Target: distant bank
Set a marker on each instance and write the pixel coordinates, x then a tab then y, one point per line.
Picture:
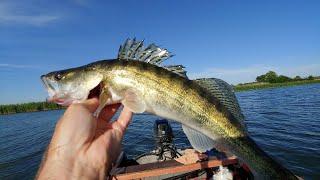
271	80
28	107
45	106
264	85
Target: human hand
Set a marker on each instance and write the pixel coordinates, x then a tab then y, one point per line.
82	146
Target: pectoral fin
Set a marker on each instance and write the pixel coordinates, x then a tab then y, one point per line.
103	99
134	102
198	141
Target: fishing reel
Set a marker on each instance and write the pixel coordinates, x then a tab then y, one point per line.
162	132
163	135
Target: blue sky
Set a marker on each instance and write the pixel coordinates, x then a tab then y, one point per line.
231	40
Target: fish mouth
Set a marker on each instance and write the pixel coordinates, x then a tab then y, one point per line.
60	101
63	98
48	85
66	100
53	92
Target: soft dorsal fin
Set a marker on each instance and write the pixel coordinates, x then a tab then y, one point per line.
198	141
225	94
153	54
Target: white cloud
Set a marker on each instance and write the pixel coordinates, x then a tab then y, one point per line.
248	74
19	66
31	20
11	13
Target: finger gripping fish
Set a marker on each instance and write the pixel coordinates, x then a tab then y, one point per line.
138	81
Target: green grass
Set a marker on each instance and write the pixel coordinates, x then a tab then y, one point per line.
255	86
28	107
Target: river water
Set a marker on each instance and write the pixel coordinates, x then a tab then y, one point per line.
285	122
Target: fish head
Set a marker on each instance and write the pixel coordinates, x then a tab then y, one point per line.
72	85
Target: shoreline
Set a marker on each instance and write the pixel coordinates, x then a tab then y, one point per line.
28	107
237	88
31	111
258	86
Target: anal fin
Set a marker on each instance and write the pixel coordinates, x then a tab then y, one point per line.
198	141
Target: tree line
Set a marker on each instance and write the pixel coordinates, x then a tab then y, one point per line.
28	107
273	77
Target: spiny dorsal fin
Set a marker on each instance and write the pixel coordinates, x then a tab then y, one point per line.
225	93
153	54
134	50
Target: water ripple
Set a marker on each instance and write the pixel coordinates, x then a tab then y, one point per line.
285	122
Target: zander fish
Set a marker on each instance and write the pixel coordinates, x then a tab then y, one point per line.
207	107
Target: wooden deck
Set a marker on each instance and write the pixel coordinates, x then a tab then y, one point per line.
168	167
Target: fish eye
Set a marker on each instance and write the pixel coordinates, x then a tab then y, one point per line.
58	77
